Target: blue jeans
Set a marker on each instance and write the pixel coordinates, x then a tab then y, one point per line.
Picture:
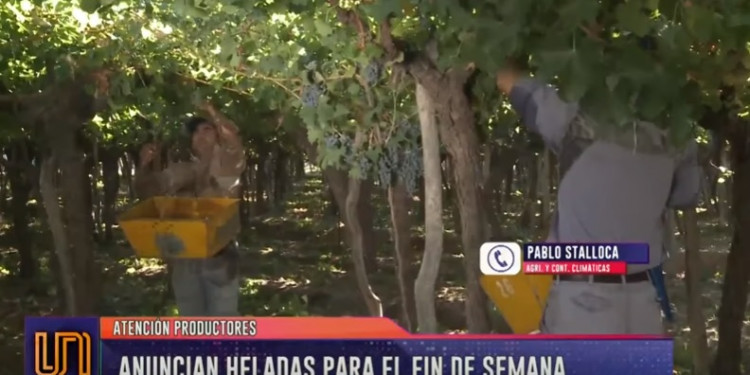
207	287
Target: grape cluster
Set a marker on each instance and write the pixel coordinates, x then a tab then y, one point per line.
365	165
401	160
311	95
341	142
345	142
411	168
391	154
385	173
409	130
372	72
331	141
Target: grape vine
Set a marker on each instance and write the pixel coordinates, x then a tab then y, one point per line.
399	158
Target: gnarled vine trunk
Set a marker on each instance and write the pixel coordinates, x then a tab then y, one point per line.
354	226
399	201
424	285
111	181
20	188
733	308
696	319
50	199
62	111
456	124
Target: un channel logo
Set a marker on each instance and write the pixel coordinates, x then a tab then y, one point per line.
62	353
500	258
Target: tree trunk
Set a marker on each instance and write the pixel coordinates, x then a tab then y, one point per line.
374	305
96	202
492	221
543	188
732	310
695	317
530	201
424	285
260	182
20	188
75	192
300	167
458	131
399	202
280	176
723	190
128	164
4	191
245	194
111	182
59	237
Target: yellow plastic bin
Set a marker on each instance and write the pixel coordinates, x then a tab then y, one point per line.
168	227
521	299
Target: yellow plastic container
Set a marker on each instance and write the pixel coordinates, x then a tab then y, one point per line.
521	299
167	227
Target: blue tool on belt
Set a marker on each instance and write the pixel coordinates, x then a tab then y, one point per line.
656	275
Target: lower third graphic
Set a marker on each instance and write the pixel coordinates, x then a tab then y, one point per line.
66	347
500	258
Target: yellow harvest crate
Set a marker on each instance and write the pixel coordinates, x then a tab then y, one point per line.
167	227
520	299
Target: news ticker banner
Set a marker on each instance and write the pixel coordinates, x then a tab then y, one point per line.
511	258
319	346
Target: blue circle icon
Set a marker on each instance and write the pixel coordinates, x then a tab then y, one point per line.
501	258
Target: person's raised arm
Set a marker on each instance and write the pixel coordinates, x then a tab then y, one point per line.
538	105
229	133
686	182
231	162
150	183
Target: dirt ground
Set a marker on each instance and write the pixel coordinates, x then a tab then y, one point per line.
296	265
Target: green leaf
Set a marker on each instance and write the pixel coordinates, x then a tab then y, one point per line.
578	80
90	6
314	134
551	63
125	87
700	21
680	124
650	104
735	20
578	11
630	18
340	111
381	9
228	47
235	60
323	28
308	116
324	111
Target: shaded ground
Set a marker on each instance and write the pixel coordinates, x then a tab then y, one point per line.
296	265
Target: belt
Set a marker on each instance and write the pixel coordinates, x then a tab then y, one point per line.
607	279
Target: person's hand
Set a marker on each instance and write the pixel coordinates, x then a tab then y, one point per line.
505	79
148	154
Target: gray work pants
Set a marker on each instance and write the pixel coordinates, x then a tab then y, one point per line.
580	307
207	287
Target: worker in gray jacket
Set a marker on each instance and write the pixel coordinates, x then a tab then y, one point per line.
615	186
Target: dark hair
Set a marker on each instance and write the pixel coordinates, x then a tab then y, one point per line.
191	125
